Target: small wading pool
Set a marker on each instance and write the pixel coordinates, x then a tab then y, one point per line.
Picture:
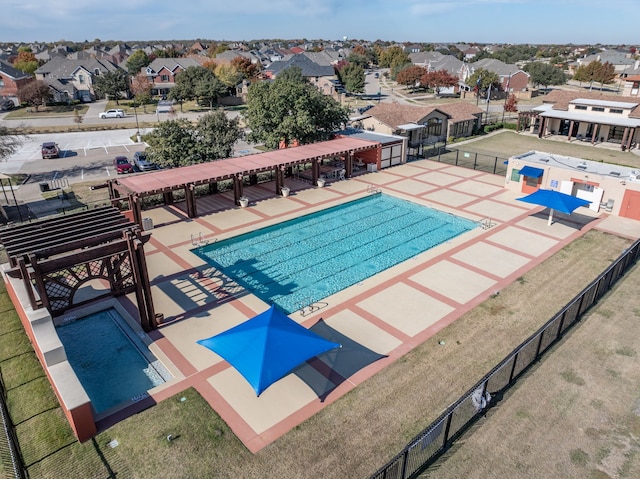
111	361
299	262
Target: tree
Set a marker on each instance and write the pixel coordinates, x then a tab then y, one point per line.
26	61
112	83
198	83
228	74
595	71
141	89
289	108
393	56
35	93
209	91
358	59
137	61
481	79
605	74
511	105
545	74
216	134
172	144
178	142
247	69
410	76
352	75
438	79
9	141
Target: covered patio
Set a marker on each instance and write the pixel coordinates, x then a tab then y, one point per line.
279	162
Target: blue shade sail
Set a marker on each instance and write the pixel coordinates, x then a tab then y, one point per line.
555	200
267	347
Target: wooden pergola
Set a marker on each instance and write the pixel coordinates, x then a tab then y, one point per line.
56	257
186	178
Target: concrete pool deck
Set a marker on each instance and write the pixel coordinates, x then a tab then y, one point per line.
378	320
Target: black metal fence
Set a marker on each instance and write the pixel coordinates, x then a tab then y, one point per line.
431	443
467	159
9	448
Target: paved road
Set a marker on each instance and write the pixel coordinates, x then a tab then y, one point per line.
92	117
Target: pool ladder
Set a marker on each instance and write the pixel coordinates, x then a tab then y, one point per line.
307	306
486	223
373	189
200	241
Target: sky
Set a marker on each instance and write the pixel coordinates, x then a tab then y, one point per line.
429	21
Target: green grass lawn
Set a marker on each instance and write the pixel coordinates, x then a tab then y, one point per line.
47	112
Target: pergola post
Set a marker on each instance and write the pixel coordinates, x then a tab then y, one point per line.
190	196
237	188
630	139
348	164
138	280
623	144
278	180
543	125
570	130
315	171
136	208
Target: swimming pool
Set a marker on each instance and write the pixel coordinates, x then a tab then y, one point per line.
299	262
112	363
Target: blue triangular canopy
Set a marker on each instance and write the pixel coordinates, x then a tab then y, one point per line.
267	347
555	200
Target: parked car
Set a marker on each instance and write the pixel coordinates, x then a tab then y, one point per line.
141	163
50	149
6	105
122	165
115	113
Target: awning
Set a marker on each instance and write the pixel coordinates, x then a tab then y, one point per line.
411	126
531	172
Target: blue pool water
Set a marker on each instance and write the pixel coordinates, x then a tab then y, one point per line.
299	262
109	361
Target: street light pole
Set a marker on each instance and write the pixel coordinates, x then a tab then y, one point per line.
506	97
135	111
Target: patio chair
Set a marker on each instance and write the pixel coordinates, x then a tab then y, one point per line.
608	205
341	174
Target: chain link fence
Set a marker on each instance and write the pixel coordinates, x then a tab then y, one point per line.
436	439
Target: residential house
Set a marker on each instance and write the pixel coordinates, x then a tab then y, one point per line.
318	75
587	116
470	53
621	61
11	80
511	77
423	125
631	85
77	76
162	72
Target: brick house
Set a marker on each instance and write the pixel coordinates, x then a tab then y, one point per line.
162	72
11	80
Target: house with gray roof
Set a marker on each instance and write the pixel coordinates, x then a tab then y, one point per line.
162	72
77	75
318	75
